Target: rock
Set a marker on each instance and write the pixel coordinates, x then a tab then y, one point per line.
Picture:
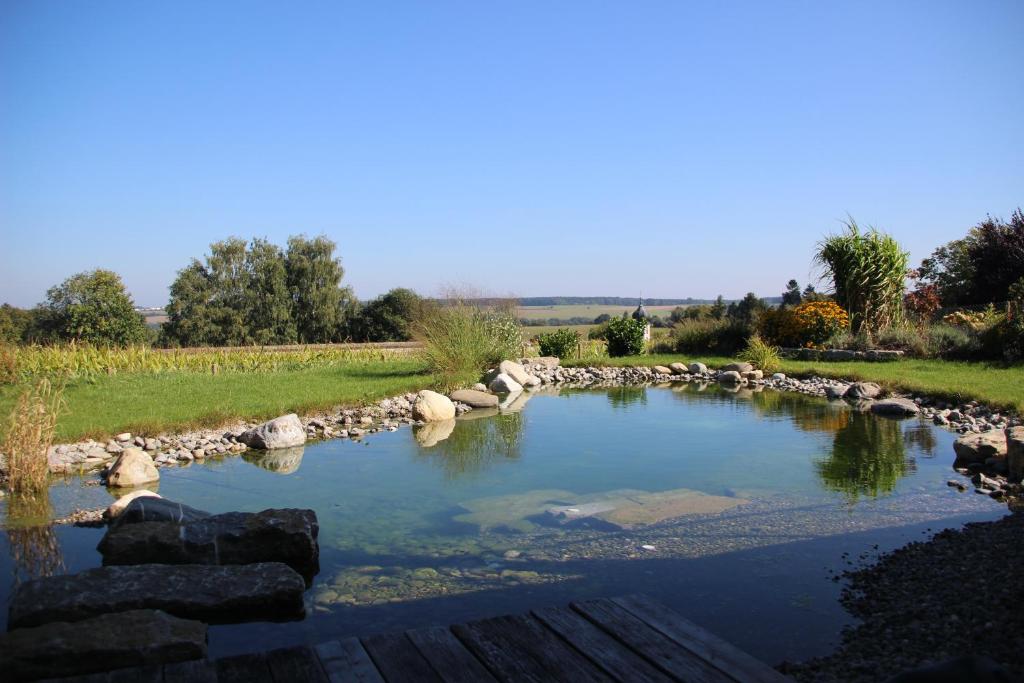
662	370
109	641
678	368
287	536
549	362
730	377
862	390
504	384
132	468
514	370
697	368
895	407
432	433
1015	453
281	432
431	406
479	386
978	447
214	594
475	399
153	508
739	367
280	461
124	436
118	506
778	376
753	375
839	355
834	392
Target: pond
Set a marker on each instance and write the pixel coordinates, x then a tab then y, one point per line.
738	509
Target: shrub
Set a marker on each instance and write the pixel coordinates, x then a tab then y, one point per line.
599	332
812	324
461	341
951	342
625	337
29	436
562	343
761	355
718	337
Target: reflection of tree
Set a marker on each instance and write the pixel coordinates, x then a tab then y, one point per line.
868	457
475	444
34	545
623	396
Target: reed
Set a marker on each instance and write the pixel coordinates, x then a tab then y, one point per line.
28	437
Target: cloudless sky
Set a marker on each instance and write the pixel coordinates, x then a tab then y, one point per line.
532	148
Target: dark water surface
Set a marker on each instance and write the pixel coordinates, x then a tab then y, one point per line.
443	525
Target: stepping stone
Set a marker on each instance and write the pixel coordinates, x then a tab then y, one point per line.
256	592
110	641
287	536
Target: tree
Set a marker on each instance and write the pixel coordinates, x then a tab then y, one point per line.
867	271
717	310
998	257
93	307
603	318
321	307
678	314
17	325
791	297
748	309
267	303
389	317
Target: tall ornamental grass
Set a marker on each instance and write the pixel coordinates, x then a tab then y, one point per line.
867	270
28	437
761	355
461	341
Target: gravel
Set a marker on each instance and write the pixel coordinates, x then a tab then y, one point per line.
958	594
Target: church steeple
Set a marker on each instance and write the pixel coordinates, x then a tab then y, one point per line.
640	313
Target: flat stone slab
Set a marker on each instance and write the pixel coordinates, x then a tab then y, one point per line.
109	641
262	591
287	536
475	399
895	407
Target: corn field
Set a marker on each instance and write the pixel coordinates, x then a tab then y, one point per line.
82	361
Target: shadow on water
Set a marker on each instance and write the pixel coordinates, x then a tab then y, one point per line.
34	546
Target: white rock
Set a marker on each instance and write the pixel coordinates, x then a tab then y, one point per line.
119	505
431	406
504	384
124	436
132	467
281	432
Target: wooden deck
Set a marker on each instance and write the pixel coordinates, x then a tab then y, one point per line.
631	638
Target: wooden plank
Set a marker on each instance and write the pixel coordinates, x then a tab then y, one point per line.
520	648
722	654
449	658
398	660
244	669
297	663
195	671
346	661
602	649
657	648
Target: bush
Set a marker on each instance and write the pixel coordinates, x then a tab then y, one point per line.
761	355
599	332
810	324
625	337
562	343
718	337
950	342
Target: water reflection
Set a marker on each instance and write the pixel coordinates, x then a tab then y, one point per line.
279	461
624	396
868	457
467	446
35	550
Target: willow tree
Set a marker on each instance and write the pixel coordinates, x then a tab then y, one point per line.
867	270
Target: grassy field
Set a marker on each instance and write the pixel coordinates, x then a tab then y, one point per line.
994	384
584	311
153	403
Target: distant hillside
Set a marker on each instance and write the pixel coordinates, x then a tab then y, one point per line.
612	301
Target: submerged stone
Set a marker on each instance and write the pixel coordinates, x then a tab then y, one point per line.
102	643
253	592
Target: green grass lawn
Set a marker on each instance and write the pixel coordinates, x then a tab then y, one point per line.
994	384
154	403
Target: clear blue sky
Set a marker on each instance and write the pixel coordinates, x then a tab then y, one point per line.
590	148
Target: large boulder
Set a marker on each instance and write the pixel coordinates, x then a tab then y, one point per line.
115	509
431	406
979	447
835	391
288	536
475	399
516	372
730	377
1015	453
133	467
252	592
504	384
661	370
281	432
895	407
739	367
862	390
157	509
102	643
678	368
697	368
